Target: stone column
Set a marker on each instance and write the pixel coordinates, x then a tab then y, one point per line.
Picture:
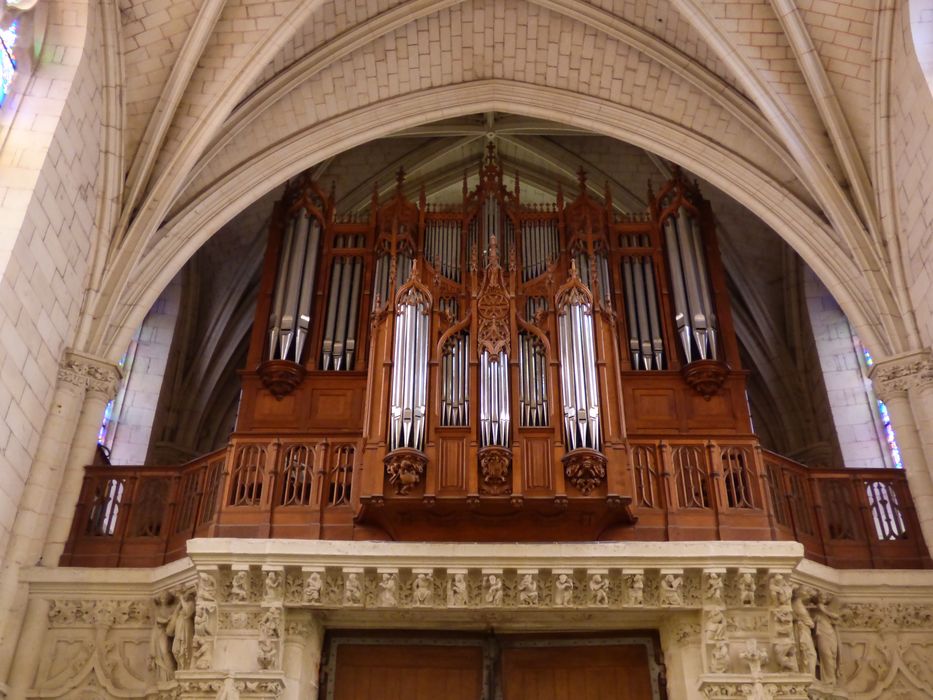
42	498
102	380
905	384
301	658
681	645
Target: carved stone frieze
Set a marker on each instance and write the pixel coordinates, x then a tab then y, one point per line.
94	612
270	636
755	690
881	616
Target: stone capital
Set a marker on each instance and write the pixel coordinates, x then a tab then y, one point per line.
89	373
900	374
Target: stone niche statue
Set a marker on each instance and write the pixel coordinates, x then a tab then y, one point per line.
170	641
161	659
827	638
803	628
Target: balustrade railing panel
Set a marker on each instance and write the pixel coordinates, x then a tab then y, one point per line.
304	488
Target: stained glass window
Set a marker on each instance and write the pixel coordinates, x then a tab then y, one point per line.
7	58
885	420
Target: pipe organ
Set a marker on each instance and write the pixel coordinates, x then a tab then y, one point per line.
493	359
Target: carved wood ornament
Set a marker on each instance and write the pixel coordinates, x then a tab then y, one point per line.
493	307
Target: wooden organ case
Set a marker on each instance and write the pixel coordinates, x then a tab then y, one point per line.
496	371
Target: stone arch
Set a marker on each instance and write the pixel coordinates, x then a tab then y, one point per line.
799	225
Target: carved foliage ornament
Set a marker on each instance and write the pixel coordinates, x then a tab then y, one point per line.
900	375
573	292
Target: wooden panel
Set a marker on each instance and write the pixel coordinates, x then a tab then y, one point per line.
536	463
653	409
412	672
715	413
576	673
452	463
336	407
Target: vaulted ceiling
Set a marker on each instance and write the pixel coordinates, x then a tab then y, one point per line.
779	104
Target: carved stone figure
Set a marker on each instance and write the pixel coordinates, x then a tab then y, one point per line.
423	593
528	590
493	590
671	593
563	591
183	629
202	644
783	621
719	658
636	589
599	590
312	589
753	656
803	626
269	638
785	654
714	584
827	639
779	590
388	590
239	587
352	589
457	591
747	588
207	588
272	586
715	625
161	659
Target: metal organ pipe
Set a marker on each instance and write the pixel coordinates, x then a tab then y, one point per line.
494	418
455	385
290	318
409	375
533	371
693	309
578	376
343	303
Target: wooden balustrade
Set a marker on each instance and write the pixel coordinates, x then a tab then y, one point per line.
306	487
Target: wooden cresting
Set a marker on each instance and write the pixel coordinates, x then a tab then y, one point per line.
493	370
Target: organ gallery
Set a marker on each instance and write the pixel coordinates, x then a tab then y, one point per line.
459	386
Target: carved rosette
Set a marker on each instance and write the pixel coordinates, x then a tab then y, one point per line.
585	469
281	377
705	377
405	469
495	471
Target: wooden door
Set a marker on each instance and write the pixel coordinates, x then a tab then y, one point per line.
412	672
597	672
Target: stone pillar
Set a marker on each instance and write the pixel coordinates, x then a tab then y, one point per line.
905	384
42	496
102	380
681	646
301	659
